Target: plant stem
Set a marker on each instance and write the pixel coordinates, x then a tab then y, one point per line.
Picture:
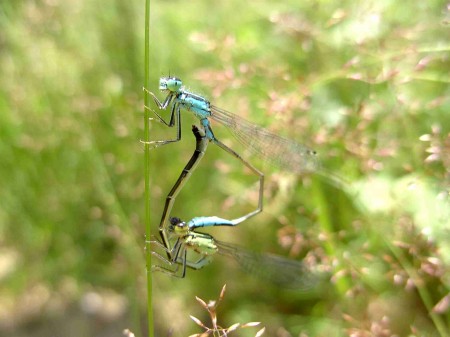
148	255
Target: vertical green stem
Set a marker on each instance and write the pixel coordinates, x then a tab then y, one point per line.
325	221
148	255
424	294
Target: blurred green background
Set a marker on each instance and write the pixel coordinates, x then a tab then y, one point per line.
366	84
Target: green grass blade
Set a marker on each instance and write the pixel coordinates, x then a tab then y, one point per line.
148	255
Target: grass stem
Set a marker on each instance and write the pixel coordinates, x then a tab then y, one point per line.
148	255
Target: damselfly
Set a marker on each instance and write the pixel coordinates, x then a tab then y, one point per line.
280	151
276	269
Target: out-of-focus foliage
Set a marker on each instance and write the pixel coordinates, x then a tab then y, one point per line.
366	84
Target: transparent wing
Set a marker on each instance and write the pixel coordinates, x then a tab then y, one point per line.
281	271
277	150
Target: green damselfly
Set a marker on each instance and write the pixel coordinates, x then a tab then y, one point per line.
276	269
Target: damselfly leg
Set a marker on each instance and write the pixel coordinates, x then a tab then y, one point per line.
175	118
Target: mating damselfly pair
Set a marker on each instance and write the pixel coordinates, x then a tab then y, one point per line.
280	151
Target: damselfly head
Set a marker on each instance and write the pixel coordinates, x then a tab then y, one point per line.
170	83
178	226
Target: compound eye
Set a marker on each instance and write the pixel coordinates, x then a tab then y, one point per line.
174	84
179	224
